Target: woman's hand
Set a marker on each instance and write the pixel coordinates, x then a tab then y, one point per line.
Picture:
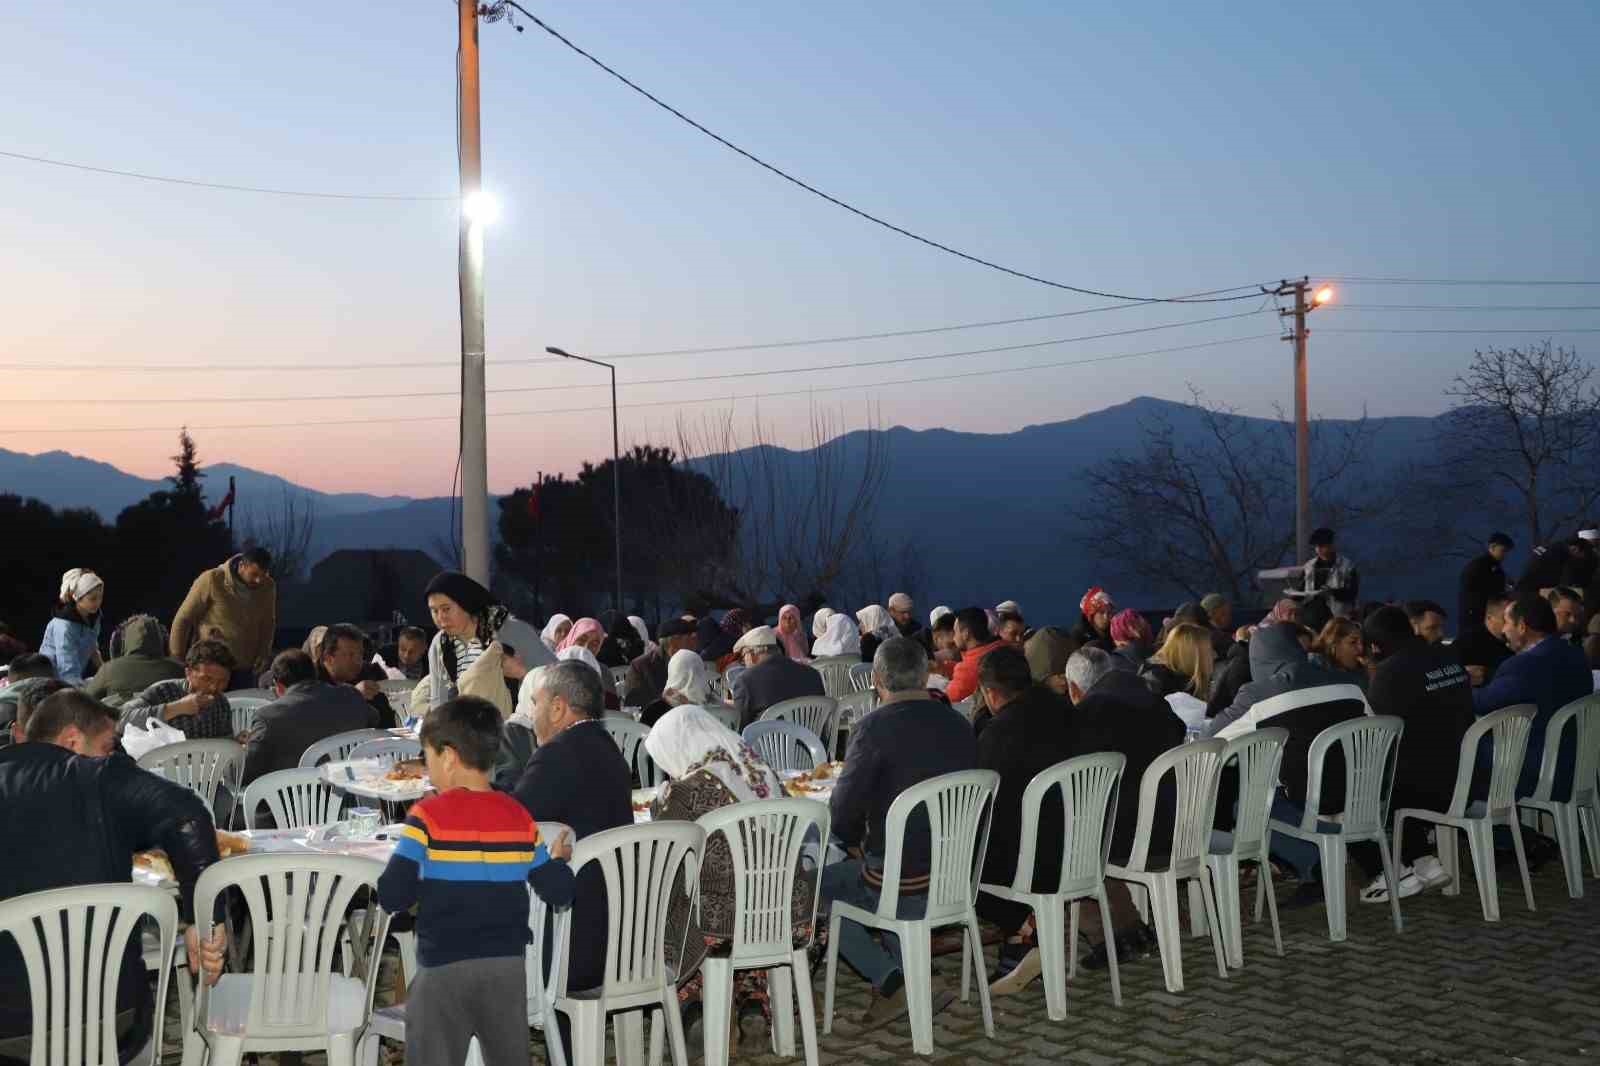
514	668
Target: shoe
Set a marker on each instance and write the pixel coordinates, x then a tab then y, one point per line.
1431	871
1427	873
1020	976
885	1009
1132	943
1306	894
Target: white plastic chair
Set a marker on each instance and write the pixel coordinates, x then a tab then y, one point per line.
1259	754
725	713
73	957
1510	728
785	746
767	840
244	710
861	677
959	807
1264	711
619	677
338	747
629	738
641	865
1370	747
201	766
264	694
835	674
1194	768
853	708
387	750
1581	811
296	799
820	714
294	999
1088	785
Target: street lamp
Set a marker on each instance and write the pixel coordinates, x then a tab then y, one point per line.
616	462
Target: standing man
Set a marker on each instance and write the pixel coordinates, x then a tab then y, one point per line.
1483	579
1329	576
235	603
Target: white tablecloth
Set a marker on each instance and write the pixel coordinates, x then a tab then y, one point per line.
367	778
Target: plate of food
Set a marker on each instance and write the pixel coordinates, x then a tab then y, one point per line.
818	781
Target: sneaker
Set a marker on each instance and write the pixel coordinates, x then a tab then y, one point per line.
1020	976
1431	872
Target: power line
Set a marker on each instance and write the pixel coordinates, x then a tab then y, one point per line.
858	212
1530	329
1365	280
695	379
12	430
303	193
1459	307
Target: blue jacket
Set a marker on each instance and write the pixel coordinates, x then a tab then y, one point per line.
1549	675
70	644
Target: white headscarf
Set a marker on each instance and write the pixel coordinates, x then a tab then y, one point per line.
78	583
687	739
876	620
686	674
583	655
550	627
819	622
523	715
842	638
938	613
639	627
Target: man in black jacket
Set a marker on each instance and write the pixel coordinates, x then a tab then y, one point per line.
577	776
343	660
770	676
1563	562
907	740
1483	649
1483	579
307	710
77	813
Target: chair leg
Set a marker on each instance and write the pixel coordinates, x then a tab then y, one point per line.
342	1049
800	966
1483	868
780	997
1048	925
1224	873
1391	878
1331	847
1522	859
831	974
1264	887
588	1035
407	943
1197	911
1571	848
1449	857
1209	894
916	960
225	1051
680	1046
976	940
1169	936
966	967
1589	819
716	1003
1071	946
1110	934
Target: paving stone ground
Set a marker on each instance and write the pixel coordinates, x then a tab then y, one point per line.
1449	989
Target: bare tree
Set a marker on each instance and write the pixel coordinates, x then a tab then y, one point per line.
1205	514
806	516
1525	429
286	531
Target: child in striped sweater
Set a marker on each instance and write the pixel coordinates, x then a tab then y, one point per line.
465	859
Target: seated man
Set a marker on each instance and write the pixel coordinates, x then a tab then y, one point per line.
143	662
342	659
411	653
647	674
1427	619
30	693
1029	733
1278	664
973	641
1547	672
770	676
78	812
195	705
23	671
1567	603
307	710
1483	649
907	740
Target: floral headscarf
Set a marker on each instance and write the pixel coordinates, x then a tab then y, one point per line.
1094	601
794	643
877	621
735	622
687	740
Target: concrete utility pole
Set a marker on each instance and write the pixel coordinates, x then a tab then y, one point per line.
474	428
1302	424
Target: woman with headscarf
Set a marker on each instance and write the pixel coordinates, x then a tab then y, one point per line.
644	633
1094	620
555	631
1131	634
687	683
792	634
877	626
709	767
819	622
583	643
480	648
842	641
72	638
517	739
622	644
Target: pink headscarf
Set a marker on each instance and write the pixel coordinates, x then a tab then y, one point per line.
580	629
794	644
1128	626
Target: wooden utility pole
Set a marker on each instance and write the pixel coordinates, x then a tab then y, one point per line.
474	429
1302	425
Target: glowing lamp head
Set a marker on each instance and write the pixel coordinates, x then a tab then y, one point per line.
1323	295
481	208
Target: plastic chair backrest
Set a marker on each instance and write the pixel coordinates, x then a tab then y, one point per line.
338	747
297	906
1259	754
1195	767
959	807
641	866
1089	786
629	736
854	707
541	985
785	746
766	840
244	714
1371	748
619	675
835	675
264	694
388	750
296	799
819	714
1511	727
198	765
861	677
1584	716
72	942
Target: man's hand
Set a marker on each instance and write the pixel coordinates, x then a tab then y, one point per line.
1057	683
368	689
1478	674
206	958
193	703
562	847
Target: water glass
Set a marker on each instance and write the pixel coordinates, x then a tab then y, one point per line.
365	821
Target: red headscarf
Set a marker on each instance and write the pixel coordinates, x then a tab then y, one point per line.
1129	626
1094	601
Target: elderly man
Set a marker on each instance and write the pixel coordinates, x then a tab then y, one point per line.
78	812
769	676
235	603
308	709
907	740
647	675
194	705
28	668
901	609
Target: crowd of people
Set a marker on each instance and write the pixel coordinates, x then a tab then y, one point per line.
509	715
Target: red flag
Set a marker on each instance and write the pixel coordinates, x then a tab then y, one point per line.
533	504
222	508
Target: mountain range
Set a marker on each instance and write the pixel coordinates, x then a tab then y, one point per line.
991	515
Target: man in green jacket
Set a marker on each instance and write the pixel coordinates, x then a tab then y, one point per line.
141	663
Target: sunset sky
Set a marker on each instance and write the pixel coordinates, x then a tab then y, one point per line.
1153	149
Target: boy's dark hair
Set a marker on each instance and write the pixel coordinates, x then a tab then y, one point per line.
1564	592
1006	671
1387	631
1535	611
1415	609
337	632
290	668
976	621
470	725
29	700
212	652
260	556
414	632
31	665
60	710
945	624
